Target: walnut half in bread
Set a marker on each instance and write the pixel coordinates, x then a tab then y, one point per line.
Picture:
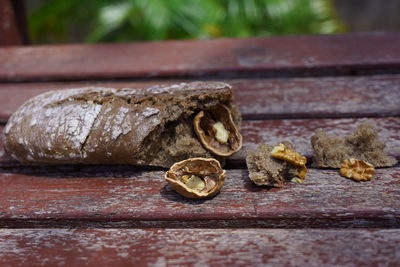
147	126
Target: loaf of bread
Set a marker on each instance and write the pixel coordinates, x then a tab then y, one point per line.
149	126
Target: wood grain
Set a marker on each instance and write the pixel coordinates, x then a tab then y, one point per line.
199	247
263	98
275	109
266	56
298	132
103	196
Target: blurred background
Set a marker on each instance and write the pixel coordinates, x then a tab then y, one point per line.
91	21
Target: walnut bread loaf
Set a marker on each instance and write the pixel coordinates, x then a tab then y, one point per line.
150	126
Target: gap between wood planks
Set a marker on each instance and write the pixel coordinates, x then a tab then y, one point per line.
251	75
320	73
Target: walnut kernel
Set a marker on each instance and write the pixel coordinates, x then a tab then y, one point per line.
194	182
358	170
221	134
196	177
301	172
282	152
297	180
217	131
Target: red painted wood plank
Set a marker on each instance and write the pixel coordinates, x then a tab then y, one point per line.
199	247
264	98
304	55
124	197
298	132
9	30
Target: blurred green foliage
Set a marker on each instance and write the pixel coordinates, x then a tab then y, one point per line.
117	21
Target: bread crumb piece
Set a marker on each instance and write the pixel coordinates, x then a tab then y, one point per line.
363	144
266	170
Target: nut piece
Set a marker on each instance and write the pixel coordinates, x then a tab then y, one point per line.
297	180
194	182
217	131
221	134
301	172
292	157
196	177
358	170
288	155
297	174
265	170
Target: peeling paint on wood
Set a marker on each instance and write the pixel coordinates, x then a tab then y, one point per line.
199	247
266	56
44	197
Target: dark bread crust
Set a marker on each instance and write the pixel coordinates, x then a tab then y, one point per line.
151	126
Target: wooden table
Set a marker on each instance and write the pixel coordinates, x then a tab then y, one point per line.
286	88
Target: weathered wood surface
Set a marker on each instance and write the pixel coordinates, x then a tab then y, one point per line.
300	55
9	31
199	247
298	132
124	197
274	109
263	98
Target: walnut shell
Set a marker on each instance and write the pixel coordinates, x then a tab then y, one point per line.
207	169
203	126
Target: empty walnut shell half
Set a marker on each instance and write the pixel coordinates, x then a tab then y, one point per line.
196	177
217	131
